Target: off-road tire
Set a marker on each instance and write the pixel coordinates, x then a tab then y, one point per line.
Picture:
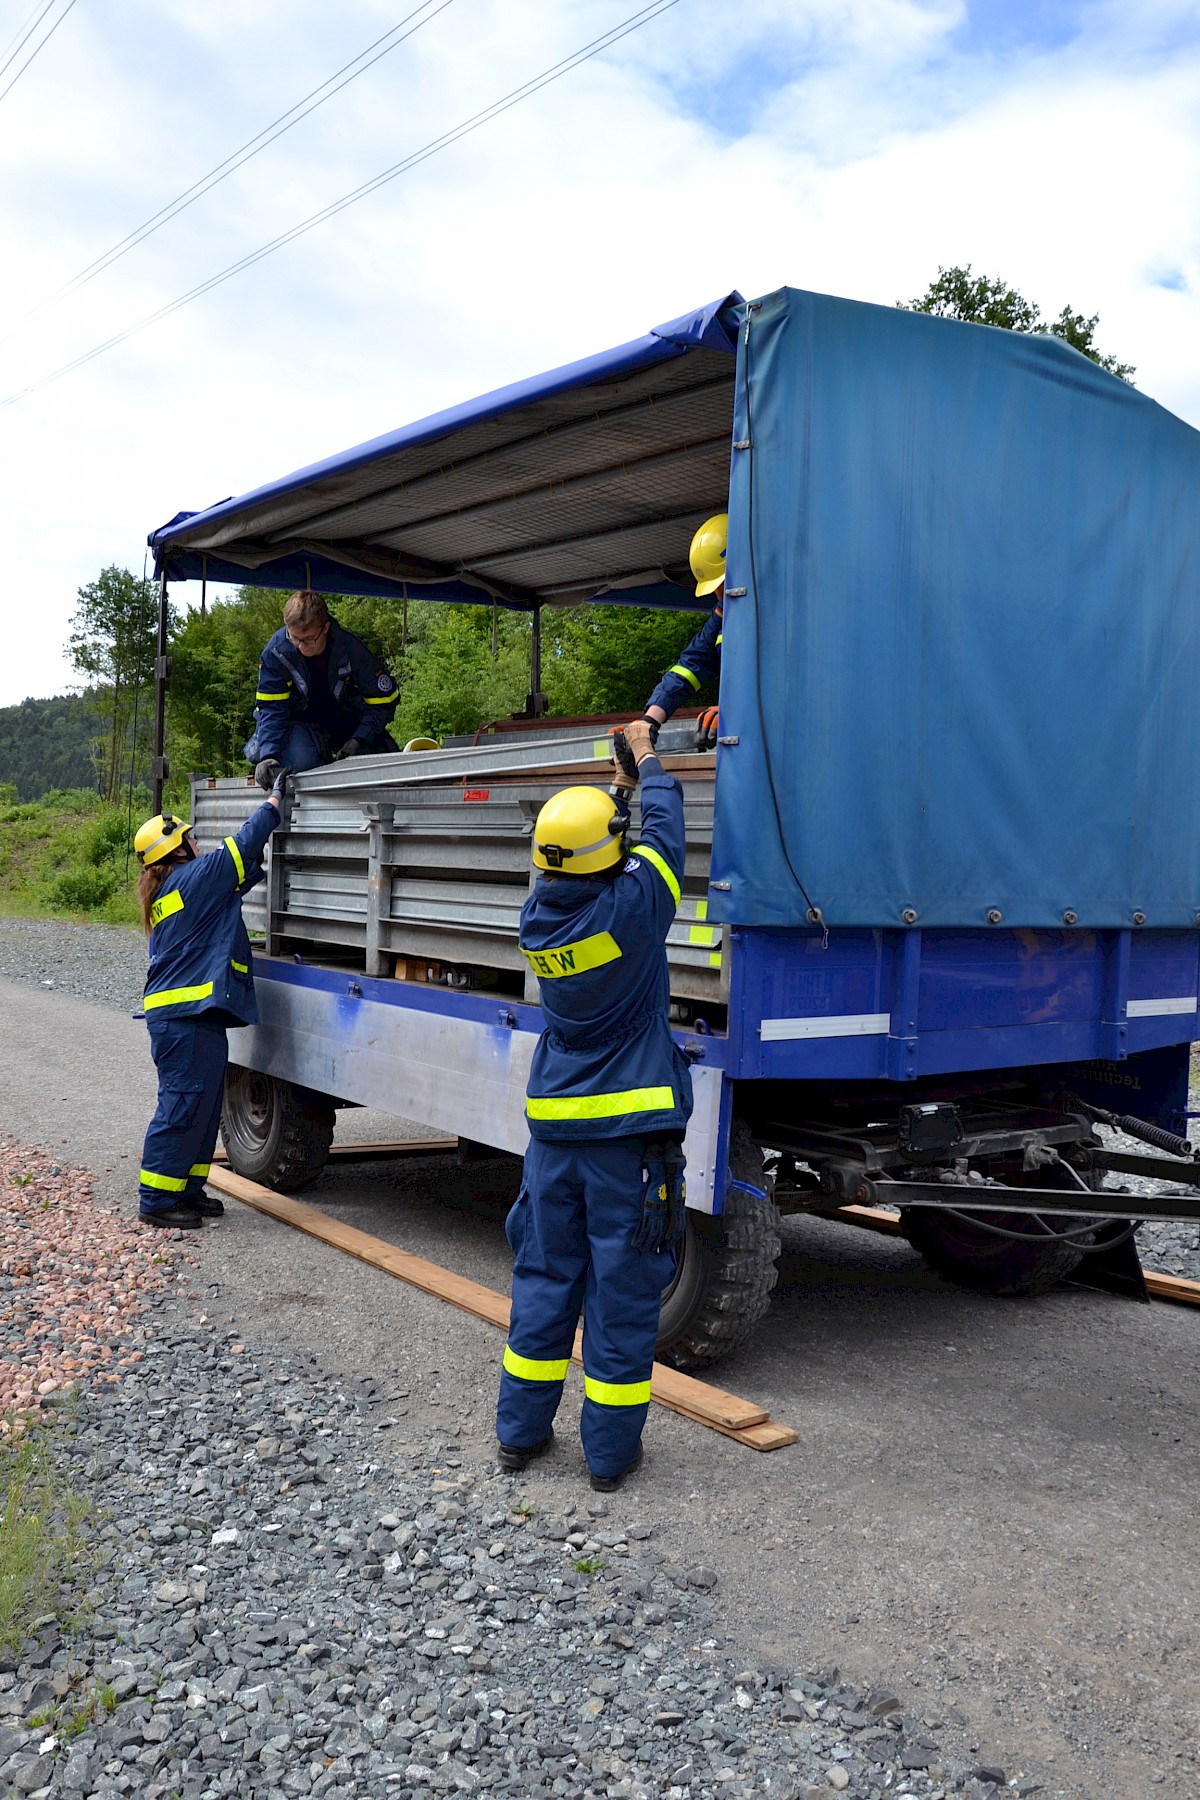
726	1270
964	1252
275	1132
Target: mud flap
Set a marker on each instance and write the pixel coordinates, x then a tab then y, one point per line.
1115	1267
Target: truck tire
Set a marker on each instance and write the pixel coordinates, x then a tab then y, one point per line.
726	1270
275	1132
965	1252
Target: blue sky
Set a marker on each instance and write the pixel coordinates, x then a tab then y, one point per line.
846	145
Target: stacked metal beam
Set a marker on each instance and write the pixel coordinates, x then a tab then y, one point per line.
422	859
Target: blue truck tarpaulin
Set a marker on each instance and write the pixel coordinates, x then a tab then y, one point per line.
964	677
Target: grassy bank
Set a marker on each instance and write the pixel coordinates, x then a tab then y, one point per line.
41	1535
64	857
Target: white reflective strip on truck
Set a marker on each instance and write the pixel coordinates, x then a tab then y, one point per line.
1159	1009
830	1026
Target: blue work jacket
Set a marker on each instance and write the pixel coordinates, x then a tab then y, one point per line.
365	694
199	950
700	662
606	1065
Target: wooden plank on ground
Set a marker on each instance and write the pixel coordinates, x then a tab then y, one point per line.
695	1400
1172	1287
871	1218
376	1152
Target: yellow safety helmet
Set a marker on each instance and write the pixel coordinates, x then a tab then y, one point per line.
707	555
158	837
579	831
422	743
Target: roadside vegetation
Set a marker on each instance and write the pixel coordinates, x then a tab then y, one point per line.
64	856
42	1536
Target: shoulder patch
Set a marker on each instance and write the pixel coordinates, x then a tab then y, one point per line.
631	865
384	683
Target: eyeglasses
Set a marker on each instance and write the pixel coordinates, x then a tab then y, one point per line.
310	637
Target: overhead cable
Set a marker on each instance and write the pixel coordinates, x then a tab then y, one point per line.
527	89
358	65
38	48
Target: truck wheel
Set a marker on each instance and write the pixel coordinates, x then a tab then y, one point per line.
274	1131
726	1270
964	1251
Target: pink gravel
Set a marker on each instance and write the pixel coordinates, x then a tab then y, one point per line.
73	1278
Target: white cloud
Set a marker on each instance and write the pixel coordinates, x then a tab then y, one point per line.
849	148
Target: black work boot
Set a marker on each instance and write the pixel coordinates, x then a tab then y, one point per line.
512	1460
207	1205
182	1217
608	1484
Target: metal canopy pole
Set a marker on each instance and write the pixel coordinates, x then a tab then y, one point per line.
160	768
535	705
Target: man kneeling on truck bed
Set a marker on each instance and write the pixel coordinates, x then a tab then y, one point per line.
600	1210
322	694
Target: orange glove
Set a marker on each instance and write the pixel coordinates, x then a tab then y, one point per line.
707	727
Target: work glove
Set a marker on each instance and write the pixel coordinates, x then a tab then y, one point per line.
279	786
352	747
640	736
655	728
664	1194
626	777
266	771
707	726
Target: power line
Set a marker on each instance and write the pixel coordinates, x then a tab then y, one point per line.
527	89
237	158
24	32
37	51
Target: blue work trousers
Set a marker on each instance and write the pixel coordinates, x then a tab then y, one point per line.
569	1233
190	1056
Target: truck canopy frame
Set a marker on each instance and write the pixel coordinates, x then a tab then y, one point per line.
583	483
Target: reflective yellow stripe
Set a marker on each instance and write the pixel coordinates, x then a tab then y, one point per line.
678	669
602	1106
177	996
574	959
720	635
702	934
170	1183
286	695
236	854
162	909
199	1168
702	909
384	700
714	960
529	1370
661	865
602	747
243	969
617	1393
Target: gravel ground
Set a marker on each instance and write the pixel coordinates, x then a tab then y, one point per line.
107	965
990	1513
283	1601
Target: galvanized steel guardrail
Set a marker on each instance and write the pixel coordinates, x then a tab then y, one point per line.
423	858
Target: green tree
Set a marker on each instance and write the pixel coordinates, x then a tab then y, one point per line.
113	642
988	300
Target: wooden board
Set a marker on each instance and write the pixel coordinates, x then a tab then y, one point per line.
376	1152
871	1218
695	1400
1172	1287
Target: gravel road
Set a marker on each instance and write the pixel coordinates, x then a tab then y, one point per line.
990	1512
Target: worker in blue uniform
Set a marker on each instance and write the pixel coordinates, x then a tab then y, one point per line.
701	661
609	1094
199	983
322	694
